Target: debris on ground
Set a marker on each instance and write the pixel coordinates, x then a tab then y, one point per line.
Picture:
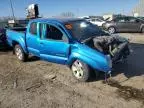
52	76
35	86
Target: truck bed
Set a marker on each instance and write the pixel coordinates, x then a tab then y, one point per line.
15	34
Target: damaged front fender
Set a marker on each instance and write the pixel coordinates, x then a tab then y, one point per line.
94	59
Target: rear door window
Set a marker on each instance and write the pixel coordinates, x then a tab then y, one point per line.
33	28
121	20
132	20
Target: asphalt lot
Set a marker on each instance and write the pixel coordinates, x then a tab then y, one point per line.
39	84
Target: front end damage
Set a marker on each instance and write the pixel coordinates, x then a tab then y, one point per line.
115	46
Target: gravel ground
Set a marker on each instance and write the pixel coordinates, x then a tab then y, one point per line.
39	84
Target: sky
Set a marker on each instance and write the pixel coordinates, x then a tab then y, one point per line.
50	8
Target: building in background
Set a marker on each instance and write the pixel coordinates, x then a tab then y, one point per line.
138	10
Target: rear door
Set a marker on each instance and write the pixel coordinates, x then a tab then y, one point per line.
133	24
32	39
54	45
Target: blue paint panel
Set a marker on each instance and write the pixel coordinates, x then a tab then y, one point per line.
54	49
17	37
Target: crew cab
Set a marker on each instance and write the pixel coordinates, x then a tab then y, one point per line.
72	42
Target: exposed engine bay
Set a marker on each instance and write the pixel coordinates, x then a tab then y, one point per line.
115	46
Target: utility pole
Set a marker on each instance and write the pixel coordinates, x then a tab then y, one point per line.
12	9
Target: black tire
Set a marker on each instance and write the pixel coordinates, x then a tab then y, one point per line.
111	30
81	76
142	30
97	74
21	56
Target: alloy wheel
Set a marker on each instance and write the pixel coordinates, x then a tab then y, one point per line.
19	53
77	69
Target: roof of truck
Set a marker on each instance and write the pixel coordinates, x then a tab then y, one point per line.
60	20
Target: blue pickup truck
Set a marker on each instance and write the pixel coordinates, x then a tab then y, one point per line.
73	42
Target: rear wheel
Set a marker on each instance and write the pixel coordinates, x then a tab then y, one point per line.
81	71
20	53
111	30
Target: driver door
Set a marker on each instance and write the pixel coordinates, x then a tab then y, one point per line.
133	24
54	45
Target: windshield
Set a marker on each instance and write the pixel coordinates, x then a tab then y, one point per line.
82	29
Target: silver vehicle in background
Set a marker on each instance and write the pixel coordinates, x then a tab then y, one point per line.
124	24
94	20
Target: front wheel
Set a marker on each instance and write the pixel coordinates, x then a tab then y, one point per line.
81	71
20	53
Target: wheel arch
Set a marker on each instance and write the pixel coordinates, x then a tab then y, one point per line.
14	43
92	64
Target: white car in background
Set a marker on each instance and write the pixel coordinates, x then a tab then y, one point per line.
96	21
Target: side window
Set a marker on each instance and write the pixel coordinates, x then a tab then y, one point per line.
33	28
121	20
54	33
132	20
